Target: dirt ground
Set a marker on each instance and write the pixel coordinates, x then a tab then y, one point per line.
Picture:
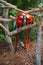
21	57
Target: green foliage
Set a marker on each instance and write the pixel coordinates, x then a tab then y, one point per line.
24	4
1	11
13	12
19	3
11	24
33	35
2	36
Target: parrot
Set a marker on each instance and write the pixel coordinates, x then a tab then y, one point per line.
19	23
29	20
20	19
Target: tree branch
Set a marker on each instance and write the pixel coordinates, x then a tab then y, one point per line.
6	20
12	6
28	11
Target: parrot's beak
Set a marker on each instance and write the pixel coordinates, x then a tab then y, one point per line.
27	16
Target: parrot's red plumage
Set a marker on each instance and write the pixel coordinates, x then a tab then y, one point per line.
19	23
20	20
30	19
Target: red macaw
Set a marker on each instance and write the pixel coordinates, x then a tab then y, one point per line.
19	23
30	19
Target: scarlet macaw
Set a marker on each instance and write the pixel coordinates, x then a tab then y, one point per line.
29	20
19	23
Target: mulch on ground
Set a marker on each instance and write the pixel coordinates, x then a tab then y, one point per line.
21	57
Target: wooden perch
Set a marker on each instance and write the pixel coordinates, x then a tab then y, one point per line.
19	29
1	4
35	10
5	7
12	17
35	14
25	27
7	4
12	6
28	11
6	20
22	28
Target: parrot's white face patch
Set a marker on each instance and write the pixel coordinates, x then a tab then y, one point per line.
21	16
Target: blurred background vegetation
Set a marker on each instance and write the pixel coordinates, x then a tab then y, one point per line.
25	5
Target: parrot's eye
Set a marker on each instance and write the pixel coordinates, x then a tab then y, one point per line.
21	16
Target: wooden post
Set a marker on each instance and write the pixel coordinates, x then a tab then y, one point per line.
42	32
8	39
39	42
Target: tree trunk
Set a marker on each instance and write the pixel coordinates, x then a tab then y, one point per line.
39	43
8	39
